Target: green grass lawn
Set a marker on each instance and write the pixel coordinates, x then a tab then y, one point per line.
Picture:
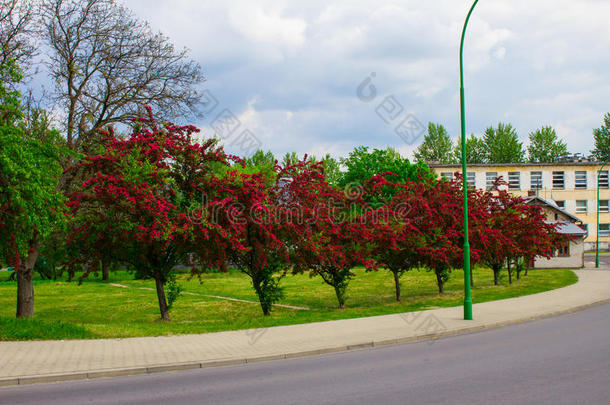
96	309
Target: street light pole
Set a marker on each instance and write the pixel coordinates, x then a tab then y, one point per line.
467	297
599	172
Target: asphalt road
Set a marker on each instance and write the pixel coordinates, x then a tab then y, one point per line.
559	360
604	259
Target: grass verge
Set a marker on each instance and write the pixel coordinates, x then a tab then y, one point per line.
97	309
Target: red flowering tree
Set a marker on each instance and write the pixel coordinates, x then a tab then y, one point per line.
439	212
333	236
285	224
393	228
250	232
512	231
479	234
339	248
499	243
423	225
438	207
533	236
138	194
538	238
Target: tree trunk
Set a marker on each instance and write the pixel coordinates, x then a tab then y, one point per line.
25	286
397	284
439	281
496	274
510	277
105	268
70	272
265	306
162	300
340	297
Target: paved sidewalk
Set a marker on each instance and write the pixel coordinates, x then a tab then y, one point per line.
41	361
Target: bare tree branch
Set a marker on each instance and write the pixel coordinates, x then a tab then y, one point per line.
108	65
16	32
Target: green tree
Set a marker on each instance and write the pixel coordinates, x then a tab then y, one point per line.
602	140
261	159
544	146
362	165
260	162
30	205
503	145
332	168
290	158
476	151
437	146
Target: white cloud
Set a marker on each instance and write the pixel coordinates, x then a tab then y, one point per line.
290	69
262	24
499	53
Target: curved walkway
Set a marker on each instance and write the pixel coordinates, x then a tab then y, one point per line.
220	297
43	361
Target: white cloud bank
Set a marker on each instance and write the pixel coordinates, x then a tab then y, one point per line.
289	70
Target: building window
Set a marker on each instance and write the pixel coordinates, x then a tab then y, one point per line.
558	180
561	204
490	178
603	206
604	229
603	179
536	180
580	180
514	180
447	176
470	179
564	249
581	205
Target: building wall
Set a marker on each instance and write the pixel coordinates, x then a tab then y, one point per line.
569	194
575	260
553	215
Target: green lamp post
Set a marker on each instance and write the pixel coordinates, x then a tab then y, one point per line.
467	297
599	172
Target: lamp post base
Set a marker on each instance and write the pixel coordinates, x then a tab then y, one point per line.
468	310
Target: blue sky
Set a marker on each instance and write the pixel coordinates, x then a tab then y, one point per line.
289	70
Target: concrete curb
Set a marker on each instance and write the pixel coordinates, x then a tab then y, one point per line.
81	375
